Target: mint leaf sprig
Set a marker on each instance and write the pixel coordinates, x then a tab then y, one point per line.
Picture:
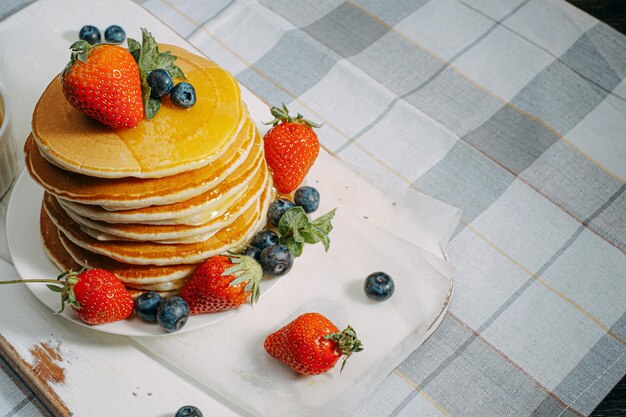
148	59
296	229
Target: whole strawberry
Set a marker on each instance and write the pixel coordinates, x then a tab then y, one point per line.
311	344
103	82
291	148
101	297
96	295
222	283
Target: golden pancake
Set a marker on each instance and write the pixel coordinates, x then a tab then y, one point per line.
191	212
131	275
174	141
67	255
52	244
145	253
128	193
164	294
176	233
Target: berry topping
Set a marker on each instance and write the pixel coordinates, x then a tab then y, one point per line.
311	344
222	283
277	209
183	95
149	58
252	252
147	304
188	411
103	82
264	239
96	295
291	148
90	34
276	260
173	313
160	83
378	286
114	34
308	198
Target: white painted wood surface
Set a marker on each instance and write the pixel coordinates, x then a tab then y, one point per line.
105	375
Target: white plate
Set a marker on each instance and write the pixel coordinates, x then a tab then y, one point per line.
31	262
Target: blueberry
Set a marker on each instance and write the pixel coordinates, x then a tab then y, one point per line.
276	260
378	286
264	239
173	313
188	411
308	198
90	34
277	209
114	34
183	95
253	252
160	82
146	305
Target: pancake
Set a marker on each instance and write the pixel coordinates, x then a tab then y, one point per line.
164	294
174	141
129	193
52	244
191	212
146	253
73	257
177	233
105	237
57	254
131	275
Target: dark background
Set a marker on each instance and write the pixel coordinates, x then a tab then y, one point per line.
613	13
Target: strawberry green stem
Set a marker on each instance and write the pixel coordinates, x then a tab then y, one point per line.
64	284
80	51
347	343
281	115
246	269
19	281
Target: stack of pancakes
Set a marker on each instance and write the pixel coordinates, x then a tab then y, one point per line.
150	203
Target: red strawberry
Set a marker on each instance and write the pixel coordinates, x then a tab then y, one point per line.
311	344
222	283
101	297
96	295
291	148
103	82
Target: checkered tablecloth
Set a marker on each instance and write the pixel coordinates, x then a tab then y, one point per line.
514	111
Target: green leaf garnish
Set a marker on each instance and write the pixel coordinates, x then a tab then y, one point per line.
148	58
134	48
296	229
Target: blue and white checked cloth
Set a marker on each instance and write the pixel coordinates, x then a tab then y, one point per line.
514	111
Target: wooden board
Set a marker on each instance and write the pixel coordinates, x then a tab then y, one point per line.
37	375
77	371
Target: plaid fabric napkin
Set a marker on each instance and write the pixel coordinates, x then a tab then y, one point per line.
513	110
